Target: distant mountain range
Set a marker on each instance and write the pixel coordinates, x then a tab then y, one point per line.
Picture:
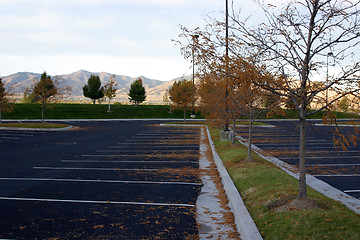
155	89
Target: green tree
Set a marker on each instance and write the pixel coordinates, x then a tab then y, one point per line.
93	89
45	90
4	102
183	94
110	89
137	93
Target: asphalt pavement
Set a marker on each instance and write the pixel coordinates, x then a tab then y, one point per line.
102	180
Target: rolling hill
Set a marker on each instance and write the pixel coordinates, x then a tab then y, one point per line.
155	89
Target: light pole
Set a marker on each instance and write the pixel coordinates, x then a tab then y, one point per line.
226	127
330	54
196	36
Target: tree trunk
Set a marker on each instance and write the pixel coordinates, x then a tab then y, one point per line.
184	115
42	112
302	155
249	155
0	117
234	131
109	106
94	100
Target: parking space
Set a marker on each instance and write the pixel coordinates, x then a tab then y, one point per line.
110	180
10	136
337	167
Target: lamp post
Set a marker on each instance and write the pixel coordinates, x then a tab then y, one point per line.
196	36
226	127
330	54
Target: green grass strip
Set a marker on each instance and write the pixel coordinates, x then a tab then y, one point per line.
260	183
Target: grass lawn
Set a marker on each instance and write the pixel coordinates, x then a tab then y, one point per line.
34	125
261	185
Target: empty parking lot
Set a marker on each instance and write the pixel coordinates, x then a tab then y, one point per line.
119	180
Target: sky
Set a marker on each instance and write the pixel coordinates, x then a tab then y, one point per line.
128	37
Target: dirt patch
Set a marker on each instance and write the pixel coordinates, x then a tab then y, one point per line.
292	203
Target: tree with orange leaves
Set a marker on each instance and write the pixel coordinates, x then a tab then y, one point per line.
182	95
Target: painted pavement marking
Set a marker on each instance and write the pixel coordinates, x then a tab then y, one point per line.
97	202
99	181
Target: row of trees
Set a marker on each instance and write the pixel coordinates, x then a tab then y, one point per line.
281	61
48	89
95	91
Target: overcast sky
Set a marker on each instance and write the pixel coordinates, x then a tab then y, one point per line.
130	37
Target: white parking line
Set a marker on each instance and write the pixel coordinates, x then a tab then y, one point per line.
11	138
330	157
162	146
149	151
351	191
291	144
135	155
339	175
96	169
333	164
308	151
99	181
16	135
96	202
163	137
120	161
165	134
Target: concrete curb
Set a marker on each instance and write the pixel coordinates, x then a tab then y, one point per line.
318	185
244	223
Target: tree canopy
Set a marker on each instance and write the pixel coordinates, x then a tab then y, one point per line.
182	95
93	89
137	93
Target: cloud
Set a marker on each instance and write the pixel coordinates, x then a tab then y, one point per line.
133	36
156	68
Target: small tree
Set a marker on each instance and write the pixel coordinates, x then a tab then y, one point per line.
45	90
93	89
183	94
110	89
137	93
4	103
